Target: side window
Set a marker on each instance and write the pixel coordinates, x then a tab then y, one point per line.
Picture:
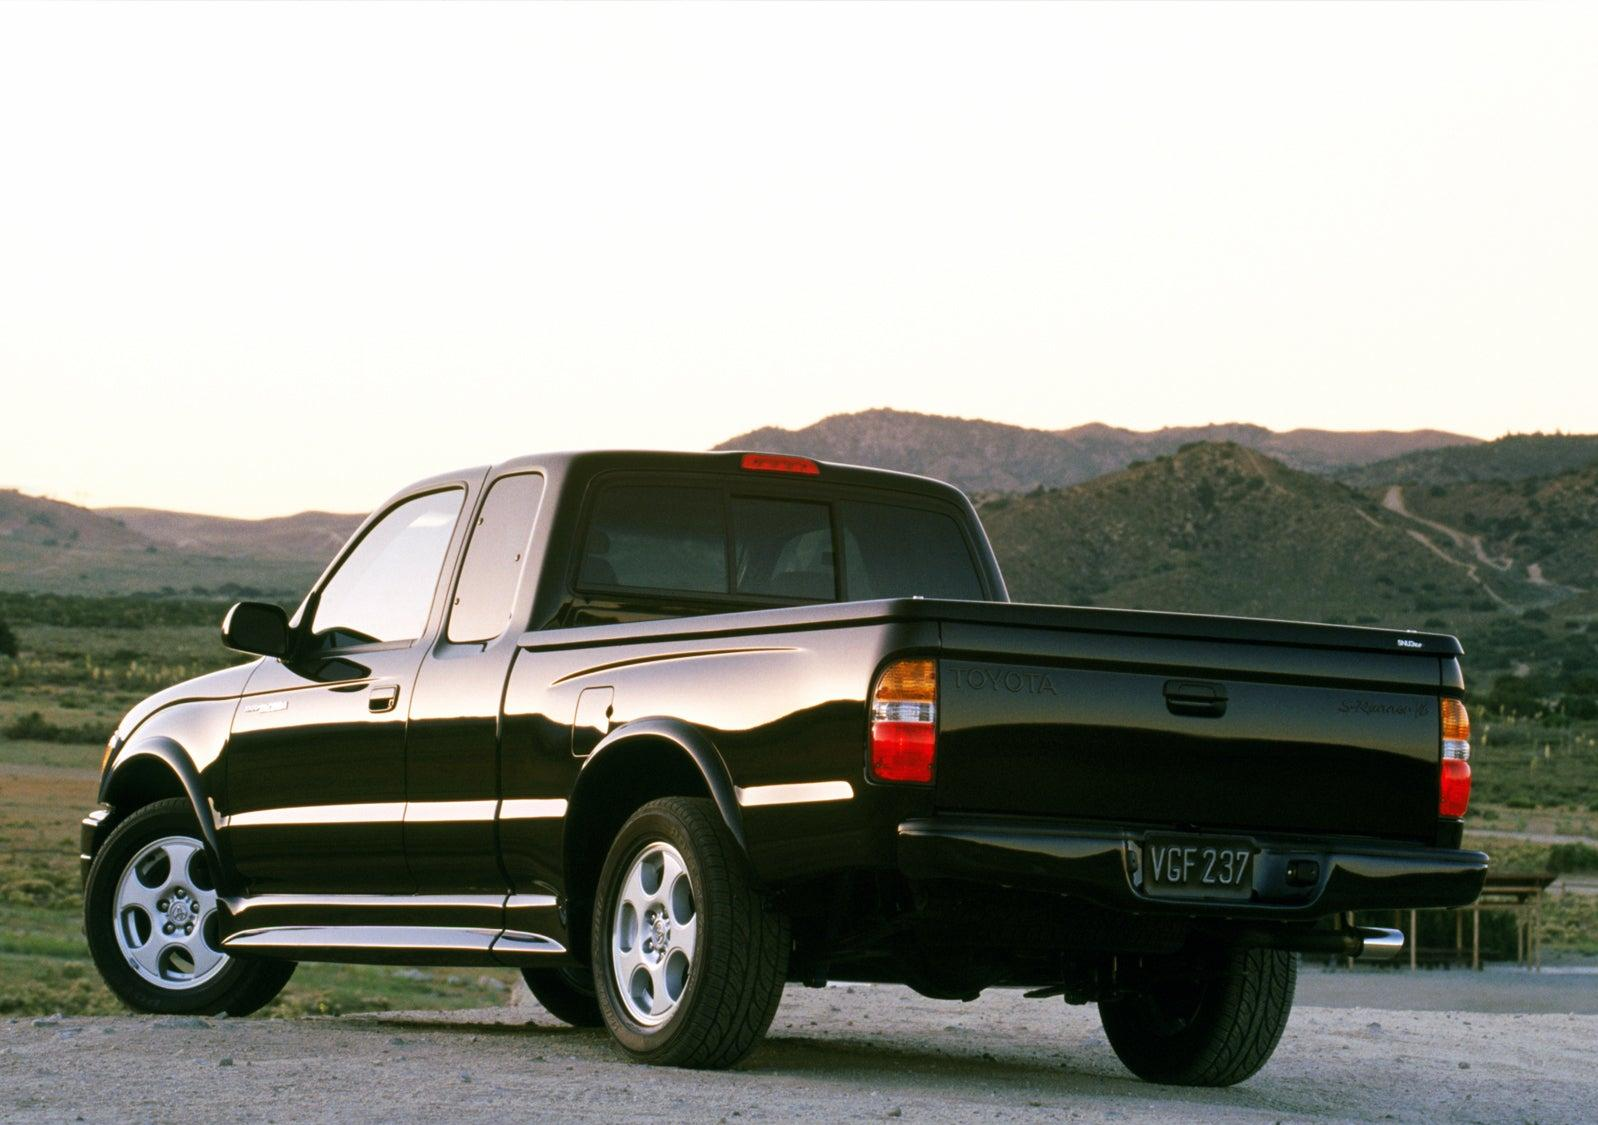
657	537
494	559
782	549
383	589
894	552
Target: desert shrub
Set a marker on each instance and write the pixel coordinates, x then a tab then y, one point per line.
1566	858
34	727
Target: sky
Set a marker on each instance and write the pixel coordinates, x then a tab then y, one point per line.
261	258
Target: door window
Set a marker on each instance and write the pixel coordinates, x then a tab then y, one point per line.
382	591
495	559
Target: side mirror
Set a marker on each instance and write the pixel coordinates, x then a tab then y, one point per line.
256	627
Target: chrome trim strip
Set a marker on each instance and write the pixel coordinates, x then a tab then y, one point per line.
240	905
799	793
523	808
364	937
433	812
530	902
384	813
519	941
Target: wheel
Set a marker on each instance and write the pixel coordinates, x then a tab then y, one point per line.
566	994
149	912
1213	1027
689	958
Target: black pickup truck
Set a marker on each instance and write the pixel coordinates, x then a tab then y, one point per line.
667	731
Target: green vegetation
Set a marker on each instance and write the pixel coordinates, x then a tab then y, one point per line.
82	662
1222	529
1550	521
8	639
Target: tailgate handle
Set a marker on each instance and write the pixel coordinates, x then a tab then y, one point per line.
1189	697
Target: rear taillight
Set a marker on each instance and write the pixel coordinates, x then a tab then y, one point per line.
904	722
1453	782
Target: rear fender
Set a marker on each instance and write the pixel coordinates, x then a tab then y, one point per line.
634	764
687	740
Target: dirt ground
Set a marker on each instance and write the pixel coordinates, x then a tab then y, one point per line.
841	1053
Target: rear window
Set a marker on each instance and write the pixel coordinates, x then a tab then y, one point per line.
782	549
657	537
894	552
700	540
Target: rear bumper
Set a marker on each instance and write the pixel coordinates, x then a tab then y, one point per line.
1092	863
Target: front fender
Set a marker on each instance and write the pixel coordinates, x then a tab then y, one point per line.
137	775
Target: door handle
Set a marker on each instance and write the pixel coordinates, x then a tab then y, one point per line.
383	698
1185	697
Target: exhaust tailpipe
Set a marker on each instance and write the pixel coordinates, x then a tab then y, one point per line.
1368	943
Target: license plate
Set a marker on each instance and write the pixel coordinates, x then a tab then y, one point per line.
1198	866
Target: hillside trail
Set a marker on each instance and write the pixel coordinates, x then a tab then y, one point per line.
1393	501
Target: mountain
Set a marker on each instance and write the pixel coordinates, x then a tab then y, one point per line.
50	546
1220	528
982	456
1510	458
307	535
51	523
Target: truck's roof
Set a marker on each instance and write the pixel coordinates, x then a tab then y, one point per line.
729	462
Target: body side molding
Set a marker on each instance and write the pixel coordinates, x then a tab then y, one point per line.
797	793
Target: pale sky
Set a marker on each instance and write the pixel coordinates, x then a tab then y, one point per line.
255	259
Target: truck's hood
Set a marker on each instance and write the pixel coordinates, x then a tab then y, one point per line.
225	683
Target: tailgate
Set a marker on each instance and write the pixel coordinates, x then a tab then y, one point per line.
1187	732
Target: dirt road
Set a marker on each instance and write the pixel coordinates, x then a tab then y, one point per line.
834	1054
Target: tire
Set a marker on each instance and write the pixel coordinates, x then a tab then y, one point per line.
689	960
150	916
566	994
1215	1028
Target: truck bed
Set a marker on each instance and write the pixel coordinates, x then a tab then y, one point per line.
1184	721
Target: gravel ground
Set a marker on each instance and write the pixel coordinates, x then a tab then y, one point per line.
841	1053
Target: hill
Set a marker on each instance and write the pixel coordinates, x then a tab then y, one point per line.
47	546
307	535
1224	529
1511	458
52	523
982	456
1547	526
